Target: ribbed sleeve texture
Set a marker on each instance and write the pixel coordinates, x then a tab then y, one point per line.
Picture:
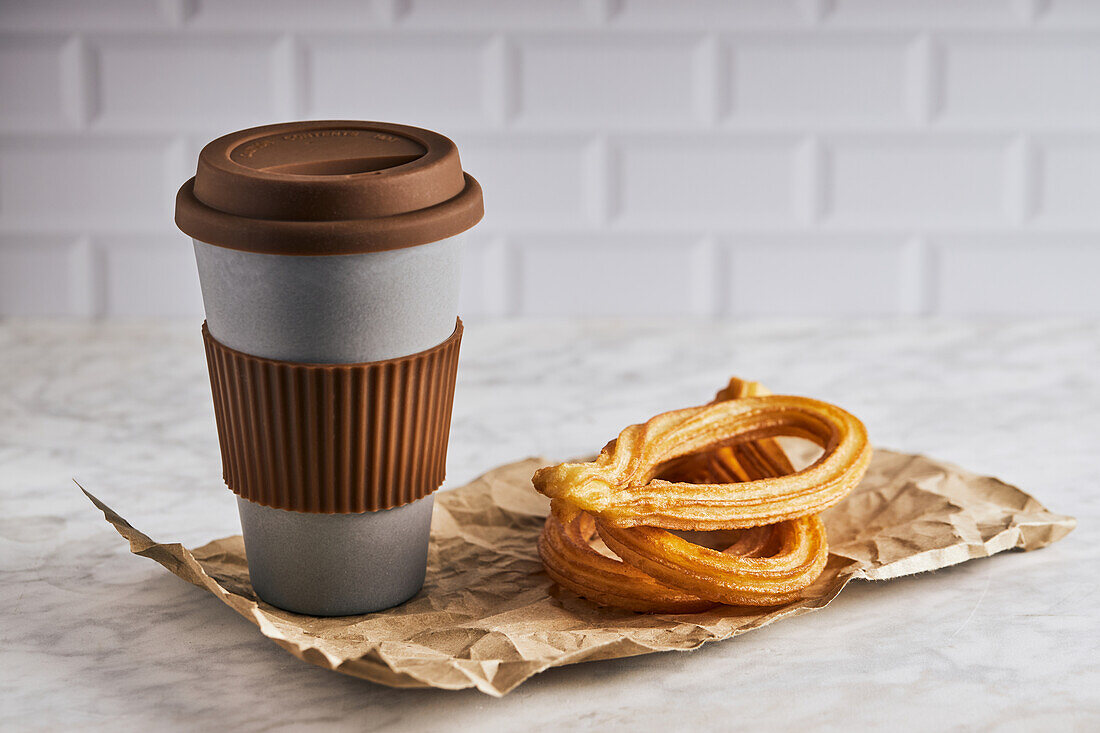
333	438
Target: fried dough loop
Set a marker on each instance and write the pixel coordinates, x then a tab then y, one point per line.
709	468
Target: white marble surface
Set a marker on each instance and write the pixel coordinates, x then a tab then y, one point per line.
94	638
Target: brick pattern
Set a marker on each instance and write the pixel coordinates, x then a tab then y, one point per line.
708	157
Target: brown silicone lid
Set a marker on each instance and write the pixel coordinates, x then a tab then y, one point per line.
328	187
333	438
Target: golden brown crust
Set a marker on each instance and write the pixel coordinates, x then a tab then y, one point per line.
702	469
573	563
722	577
620	486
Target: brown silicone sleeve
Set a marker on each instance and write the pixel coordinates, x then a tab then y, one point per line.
333	438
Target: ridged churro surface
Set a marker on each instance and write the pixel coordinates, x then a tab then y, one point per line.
708	468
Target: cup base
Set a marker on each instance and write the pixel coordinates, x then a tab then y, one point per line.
336	564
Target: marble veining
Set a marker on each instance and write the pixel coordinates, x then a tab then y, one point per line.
94	638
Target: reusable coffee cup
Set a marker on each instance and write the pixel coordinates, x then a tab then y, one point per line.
328	257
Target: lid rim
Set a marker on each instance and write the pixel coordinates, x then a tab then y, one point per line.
245	196
333	237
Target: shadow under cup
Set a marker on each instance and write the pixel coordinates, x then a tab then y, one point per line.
332	346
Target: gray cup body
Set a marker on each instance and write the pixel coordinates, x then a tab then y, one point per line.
334	309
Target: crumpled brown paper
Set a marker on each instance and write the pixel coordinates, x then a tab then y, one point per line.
488	617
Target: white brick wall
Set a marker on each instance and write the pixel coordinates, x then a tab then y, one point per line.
1021	78
868	275
918	180
614	274
709	157
599	80
674	181
837	79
